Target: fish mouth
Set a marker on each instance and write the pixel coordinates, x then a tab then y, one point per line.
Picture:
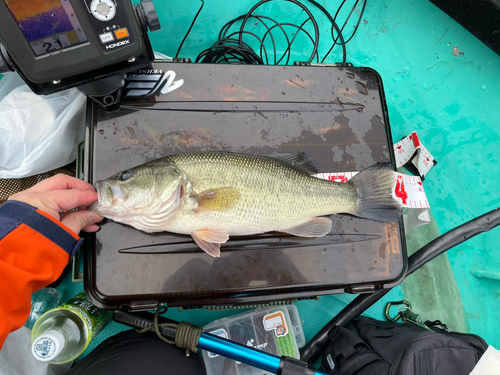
99	187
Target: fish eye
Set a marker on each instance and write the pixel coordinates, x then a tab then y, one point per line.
124	176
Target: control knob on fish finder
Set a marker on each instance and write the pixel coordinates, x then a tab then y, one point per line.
103	10
89	44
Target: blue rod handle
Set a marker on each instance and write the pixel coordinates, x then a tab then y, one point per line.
241	353
245	354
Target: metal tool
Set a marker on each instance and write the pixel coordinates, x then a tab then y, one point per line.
413	319
388	308
406	315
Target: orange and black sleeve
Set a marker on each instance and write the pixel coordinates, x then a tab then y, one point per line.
34	250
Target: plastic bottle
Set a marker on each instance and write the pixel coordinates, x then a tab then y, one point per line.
42	301
63	333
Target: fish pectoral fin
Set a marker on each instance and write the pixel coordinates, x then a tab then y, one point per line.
209	240
217	199
316	227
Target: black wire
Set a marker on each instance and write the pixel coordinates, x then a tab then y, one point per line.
261	43
248	56
334	26
293	39
230	23
348	17
280	25
262	46
216	53
342	42
233	50
190	27
304	8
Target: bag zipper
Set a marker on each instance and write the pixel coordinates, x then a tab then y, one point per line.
439	327
397	360
480	339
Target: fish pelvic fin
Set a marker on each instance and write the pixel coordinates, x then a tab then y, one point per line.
316	227
374	188
217	199
209	240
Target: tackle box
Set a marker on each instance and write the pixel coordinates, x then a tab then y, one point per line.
337	115
274	330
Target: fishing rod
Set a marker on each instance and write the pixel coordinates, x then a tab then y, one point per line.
192	338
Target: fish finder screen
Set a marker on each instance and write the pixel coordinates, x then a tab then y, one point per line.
48	25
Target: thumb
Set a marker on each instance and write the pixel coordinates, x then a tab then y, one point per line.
77	220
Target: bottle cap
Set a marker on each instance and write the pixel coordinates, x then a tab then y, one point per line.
48	345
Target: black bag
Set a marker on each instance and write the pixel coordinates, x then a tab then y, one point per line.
372	347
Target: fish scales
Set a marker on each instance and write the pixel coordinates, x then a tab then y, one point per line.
273	194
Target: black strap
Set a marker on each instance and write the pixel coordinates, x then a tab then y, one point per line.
341	343
292	366
423	364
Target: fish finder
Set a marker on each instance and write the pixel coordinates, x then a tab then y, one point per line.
90	44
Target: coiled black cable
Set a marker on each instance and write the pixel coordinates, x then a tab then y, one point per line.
231	49
304	8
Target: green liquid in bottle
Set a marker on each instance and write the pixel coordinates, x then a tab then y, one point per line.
62	334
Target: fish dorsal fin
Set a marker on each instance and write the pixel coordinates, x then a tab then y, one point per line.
296	160
316	227
217	199
209	240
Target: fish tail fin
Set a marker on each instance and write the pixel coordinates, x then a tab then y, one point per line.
374	188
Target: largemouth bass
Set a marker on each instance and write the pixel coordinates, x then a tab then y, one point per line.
214	195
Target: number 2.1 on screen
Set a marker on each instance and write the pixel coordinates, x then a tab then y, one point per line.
51	44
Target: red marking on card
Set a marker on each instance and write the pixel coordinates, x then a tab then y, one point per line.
338	178
400	189
414	138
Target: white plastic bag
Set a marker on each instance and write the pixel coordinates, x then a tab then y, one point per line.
37	133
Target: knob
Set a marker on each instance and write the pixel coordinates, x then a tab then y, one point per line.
151	16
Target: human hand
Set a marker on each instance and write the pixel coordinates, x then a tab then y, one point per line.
63	192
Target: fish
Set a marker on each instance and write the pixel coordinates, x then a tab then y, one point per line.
214	195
